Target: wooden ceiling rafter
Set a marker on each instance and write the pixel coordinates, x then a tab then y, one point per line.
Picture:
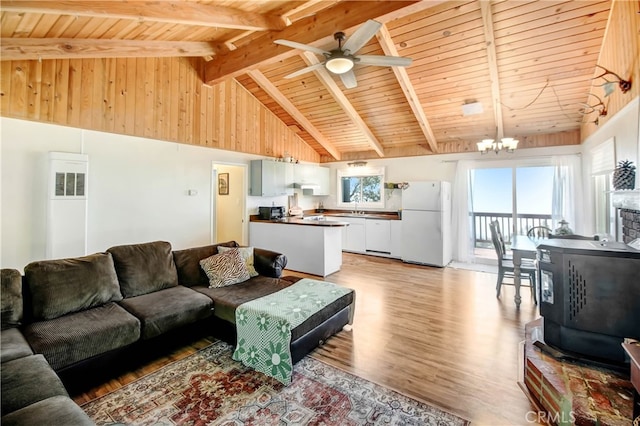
173	12
492	59
315	30
335	91
230	44
72	48
389	48
291	109
530	64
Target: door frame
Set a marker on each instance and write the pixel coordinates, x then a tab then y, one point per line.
214	195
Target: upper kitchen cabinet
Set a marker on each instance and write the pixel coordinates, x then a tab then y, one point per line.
313	180
271	178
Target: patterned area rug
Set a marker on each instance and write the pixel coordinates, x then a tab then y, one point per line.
209	388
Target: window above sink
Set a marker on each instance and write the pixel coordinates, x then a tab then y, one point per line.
361	188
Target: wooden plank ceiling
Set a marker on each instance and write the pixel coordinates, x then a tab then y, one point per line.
529	64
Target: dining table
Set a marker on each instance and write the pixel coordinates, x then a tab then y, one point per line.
522	247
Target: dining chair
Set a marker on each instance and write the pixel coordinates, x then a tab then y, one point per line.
506	267
505	254
539	232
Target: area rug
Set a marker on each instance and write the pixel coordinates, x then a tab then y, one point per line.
209	388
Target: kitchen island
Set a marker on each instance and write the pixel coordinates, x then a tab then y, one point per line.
312	245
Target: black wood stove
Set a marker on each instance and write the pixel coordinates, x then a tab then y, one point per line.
589	297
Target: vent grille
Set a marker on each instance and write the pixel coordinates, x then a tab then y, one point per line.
577	292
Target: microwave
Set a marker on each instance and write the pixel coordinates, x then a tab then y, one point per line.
271	213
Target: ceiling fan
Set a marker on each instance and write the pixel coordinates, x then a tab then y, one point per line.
341	60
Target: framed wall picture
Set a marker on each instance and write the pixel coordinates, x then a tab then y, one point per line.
223	184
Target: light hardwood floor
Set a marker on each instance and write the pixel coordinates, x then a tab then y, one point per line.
437	335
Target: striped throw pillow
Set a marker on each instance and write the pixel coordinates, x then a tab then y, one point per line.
225	269
247	254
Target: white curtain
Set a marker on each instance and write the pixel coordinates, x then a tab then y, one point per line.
462	210
567	202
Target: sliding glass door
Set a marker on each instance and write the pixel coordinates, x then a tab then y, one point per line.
518	198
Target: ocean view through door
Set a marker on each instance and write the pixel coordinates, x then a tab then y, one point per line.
517	197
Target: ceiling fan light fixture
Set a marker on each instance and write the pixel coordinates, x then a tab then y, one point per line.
339	64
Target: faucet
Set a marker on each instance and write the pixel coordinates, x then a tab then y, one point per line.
355	203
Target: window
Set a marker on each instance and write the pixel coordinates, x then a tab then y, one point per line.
361	187
517	197
604	210
602	166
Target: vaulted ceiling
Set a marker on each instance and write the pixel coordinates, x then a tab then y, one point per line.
524	68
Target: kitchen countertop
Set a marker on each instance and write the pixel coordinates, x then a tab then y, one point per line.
326	218
309	221
365	215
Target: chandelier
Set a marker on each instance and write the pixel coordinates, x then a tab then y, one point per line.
507	144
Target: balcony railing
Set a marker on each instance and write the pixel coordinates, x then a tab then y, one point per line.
481	221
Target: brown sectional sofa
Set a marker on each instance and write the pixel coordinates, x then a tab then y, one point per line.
68	313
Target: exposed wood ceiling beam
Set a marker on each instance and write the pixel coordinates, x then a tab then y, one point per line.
389	48
173	12
492	58
330	84
230	44
286	104
316	30
35	49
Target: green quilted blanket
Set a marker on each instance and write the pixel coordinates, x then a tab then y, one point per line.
264	325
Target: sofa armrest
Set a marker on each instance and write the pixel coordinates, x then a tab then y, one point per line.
269	263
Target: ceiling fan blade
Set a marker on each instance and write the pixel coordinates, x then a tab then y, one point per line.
301	46
349	79
361	36
384	61
305	70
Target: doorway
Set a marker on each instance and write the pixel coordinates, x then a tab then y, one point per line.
518	198
229	220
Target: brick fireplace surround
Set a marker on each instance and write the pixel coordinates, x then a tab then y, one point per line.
630	224
629	204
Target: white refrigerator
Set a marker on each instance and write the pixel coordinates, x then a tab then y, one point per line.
426	223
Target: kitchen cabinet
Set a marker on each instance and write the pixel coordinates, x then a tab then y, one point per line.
396	238
353	236
378	235
304	173
313	180
324	180
311	249
271	178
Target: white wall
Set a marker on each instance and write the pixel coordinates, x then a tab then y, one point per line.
624	127
138	189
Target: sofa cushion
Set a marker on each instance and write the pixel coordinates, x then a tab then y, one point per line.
247	256
28	380
144	268
167	309
13	345
76	337
58	410
11	298
59	287
188	263
227	299
225	269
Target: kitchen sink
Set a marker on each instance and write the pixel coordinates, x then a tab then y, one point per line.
355	214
